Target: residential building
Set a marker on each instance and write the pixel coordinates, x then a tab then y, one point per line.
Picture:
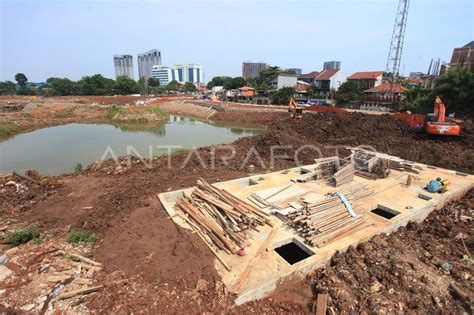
308	77
386	90
367	80
329	80
164	74
189	73
416	75
297	71
123	65
302	86
282	80
146	61
332	65
463	57
251	70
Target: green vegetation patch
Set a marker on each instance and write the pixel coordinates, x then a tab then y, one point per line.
158	111
77	237
8	128
22	235
113	111
78	168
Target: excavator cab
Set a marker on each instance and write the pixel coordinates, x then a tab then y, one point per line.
295	110
436	123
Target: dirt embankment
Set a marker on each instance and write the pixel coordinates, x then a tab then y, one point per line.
162	261
423	268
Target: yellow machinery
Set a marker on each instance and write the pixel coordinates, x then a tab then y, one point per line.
295	110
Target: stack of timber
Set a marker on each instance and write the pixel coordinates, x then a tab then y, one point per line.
380	163
329	219
344	175
220	217
331	170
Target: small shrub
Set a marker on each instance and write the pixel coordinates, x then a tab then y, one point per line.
8	128
78	168
77	237
22	235
158	111
113	111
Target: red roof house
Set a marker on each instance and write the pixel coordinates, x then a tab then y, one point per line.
368	79
329	80
386	90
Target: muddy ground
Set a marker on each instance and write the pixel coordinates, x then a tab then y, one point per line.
166	268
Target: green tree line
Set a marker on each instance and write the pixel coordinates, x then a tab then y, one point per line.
88	85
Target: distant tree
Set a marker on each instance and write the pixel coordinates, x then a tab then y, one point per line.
350	91
189	87
25	91
21	79
157	90
456	89
238	82
125	85
61	86
283	95
268	73
7	88
173	86
96	85
153	82
217	81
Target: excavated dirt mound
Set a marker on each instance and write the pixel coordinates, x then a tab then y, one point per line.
424	268
387	135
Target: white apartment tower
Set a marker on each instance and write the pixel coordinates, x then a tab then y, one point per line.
189	73
146	61
123	65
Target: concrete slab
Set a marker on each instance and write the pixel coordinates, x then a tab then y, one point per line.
391	194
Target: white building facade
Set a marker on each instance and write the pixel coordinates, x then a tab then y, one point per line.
283	80
189	73
123	65
182	73
164	74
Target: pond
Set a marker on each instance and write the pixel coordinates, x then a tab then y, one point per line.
57	150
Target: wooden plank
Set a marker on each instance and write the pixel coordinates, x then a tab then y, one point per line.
242	281
321	304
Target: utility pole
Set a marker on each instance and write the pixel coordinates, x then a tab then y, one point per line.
396	45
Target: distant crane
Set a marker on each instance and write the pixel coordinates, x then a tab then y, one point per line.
396	45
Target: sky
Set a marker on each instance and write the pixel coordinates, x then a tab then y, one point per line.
75	38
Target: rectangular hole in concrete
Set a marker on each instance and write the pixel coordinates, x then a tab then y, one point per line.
461	174
424	197
385	212
293	252
252	182
245	182
304	171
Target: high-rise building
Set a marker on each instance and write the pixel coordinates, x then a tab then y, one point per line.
252	70
182	73
189	73
297	71
146	61
332	65
123	65
463	57
164	74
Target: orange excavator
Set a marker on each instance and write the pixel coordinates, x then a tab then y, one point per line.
437	124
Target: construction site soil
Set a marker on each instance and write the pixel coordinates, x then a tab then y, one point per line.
151	264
